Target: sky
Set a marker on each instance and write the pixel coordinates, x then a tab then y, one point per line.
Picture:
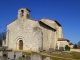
66	12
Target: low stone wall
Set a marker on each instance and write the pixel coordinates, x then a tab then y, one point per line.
76	50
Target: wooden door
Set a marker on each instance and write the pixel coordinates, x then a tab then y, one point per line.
20	45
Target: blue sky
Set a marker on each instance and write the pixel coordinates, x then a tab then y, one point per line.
66	12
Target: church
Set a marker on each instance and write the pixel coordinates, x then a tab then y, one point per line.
25	33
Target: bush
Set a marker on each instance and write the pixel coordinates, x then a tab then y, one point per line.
67	48
75	46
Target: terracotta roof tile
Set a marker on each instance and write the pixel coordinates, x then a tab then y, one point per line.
61	39
70	43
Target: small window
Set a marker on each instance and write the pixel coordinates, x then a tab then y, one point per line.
22	12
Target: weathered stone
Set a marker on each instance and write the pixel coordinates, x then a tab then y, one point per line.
48	58
1	53
51	50
11	55
18	54
19	58
36	56
28	57
25	33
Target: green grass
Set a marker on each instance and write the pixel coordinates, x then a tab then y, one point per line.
65	55
59	56
25	53
76	55
73	55
55	58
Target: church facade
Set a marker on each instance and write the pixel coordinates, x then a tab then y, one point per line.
25	33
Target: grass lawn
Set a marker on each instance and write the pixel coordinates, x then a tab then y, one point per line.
55	58
64	56
60	56
73	55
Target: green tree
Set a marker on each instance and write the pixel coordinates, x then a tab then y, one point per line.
78	44
75	46
67	48
2	37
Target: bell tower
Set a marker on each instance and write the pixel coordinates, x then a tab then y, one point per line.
23	13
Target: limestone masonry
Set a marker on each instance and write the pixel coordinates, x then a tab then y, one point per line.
25	33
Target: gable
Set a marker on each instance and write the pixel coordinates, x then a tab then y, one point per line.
46	26
51	23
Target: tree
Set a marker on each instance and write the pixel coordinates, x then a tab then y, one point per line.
75	46
2	37
78	44
67	48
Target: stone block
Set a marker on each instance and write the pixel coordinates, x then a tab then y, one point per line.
47	58
1	53
11	55
18	54
36	56
51	50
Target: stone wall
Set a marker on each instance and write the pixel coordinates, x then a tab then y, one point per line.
71	46
34	35
60	32
27	31
45	36
49	37
61	44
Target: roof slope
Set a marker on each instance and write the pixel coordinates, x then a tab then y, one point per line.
62	39
45	19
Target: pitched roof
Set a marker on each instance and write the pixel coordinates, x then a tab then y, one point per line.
70	43
61	39
53	20
47	25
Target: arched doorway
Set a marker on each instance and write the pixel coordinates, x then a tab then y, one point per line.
20	45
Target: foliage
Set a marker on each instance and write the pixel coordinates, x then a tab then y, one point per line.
78	44
0	42
67	48
75	46
2	37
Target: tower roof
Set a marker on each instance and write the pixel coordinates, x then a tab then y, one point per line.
24	9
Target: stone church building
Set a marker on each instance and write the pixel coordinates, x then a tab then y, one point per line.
25	33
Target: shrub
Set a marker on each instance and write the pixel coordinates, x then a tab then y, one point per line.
75	46
67	48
